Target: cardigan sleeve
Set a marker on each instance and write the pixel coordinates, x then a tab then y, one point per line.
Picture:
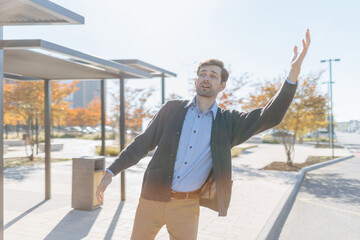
141	145
247	124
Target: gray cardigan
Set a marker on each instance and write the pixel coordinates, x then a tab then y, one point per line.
230	128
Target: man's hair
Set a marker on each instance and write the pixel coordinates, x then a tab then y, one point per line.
216	62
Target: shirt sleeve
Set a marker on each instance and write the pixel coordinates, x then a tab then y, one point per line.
109	171
287	79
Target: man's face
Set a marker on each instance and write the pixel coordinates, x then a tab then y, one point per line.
208	84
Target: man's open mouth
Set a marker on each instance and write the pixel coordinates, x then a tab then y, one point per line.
205	86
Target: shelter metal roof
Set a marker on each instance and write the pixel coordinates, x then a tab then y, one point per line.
39	59
36	12
146	67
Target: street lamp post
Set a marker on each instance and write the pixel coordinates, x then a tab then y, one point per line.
331	129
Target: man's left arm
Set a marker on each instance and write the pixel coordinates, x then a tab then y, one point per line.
245	125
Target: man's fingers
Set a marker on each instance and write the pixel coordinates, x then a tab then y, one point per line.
105	181
98	194
308	40
98	198
295	49
306	43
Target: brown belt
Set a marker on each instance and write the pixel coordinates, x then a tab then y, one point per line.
185	195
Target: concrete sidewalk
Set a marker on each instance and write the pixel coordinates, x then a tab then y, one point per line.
256	194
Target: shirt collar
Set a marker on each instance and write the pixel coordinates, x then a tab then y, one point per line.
213	108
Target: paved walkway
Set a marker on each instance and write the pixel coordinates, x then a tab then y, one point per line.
256	194
328	204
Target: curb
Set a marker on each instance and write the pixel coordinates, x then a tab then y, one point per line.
274	224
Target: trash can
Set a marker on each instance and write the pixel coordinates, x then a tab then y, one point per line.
86	176
26	137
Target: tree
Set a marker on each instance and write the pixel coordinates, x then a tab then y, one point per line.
25	101
10	116
94	112
89	116
173	96
135	109
306	113
60	107
78	117
229	97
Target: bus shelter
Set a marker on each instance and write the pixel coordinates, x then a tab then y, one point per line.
25	12
35	59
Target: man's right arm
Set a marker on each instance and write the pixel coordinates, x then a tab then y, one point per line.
136	150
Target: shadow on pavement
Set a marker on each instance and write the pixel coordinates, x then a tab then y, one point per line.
20	173
353	146
245	152
112	226
244	170
9	224
334	186
247	173
76	224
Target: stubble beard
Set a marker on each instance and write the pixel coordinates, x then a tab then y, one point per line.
209	93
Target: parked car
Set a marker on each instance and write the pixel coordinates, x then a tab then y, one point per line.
275	135
321	133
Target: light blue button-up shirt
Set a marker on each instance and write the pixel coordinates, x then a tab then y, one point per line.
193	159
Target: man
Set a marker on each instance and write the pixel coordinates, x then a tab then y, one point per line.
192	162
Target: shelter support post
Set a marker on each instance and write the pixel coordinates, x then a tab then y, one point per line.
162	88
1	137
102	82
47	90
122	132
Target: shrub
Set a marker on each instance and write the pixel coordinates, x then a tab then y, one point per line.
235	151
109	150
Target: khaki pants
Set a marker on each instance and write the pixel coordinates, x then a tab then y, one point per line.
181	218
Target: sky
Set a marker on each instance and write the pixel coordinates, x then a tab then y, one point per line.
254	37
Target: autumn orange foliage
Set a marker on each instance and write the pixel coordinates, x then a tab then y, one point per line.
306	113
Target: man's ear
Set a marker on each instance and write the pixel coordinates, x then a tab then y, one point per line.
223	86
195	81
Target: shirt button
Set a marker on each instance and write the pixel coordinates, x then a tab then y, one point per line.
190	146
169	176
178	176
198	116
194	131
185	162
172	154
177	133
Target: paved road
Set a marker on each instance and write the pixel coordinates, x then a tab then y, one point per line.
351	141
327	205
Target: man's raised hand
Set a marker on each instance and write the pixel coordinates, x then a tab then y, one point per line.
298	58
